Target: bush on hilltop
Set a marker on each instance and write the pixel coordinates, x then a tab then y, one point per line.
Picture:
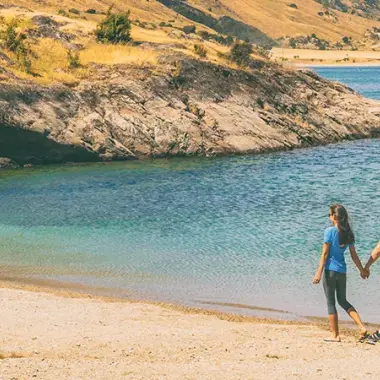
115	28
241	53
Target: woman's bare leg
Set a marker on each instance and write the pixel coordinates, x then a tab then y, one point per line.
356	318
334	327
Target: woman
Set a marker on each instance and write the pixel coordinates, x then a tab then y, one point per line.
336	240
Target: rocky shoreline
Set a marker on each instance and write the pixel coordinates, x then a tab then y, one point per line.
186	107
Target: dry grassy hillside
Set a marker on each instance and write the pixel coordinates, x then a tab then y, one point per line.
277	19
51	41
274	17
68	94
363	8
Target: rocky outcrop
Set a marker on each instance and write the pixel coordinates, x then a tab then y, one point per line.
7	163
189	107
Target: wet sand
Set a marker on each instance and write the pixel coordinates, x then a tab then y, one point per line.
52	333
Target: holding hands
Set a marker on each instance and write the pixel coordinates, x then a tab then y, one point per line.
365	273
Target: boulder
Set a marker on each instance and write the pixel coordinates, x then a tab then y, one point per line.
7	163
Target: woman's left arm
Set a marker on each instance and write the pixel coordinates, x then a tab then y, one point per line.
322	263
356	260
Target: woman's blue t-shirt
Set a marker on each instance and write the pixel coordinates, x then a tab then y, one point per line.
335	260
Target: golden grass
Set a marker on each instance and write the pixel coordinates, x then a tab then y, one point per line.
150	11
49	63
273	17
118	54
22	22
277	19
52	62
152	35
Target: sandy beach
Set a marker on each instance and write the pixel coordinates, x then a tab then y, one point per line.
309	57
50	335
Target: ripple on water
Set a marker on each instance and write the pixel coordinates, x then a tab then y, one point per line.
243	230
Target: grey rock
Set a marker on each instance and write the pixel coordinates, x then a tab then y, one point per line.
7	163
48	28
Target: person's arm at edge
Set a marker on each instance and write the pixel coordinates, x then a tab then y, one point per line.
322	263
374	256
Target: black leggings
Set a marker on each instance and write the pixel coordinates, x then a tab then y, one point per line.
335	282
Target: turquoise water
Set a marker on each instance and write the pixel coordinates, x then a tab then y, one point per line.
365	80
245	231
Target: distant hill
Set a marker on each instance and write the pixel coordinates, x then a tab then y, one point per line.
295	18
259	21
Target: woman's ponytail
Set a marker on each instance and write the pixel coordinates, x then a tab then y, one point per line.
346	235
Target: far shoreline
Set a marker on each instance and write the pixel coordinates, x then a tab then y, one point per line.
336	65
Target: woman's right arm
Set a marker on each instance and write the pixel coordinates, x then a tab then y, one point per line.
356	260
322	263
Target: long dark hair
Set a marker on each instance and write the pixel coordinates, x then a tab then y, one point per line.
346	236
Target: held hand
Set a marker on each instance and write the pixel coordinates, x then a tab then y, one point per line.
317	278
365	274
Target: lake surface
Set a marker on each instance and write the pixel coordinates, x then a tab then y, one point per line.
224	233
365	80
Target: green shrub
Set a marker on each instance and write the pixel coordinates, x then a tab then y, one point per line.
23	59
62	12
16	43
261	103
91	11
74	11
10	37
200	50
346	40
204	35
74	61
241	53
189	29
115	28
229	41
263	52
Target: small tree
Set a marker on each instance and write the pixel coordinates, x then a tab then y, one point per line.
200	50
241	52
62	12
74	60
23	59
11	38
15	42
115	28
346	40
188	29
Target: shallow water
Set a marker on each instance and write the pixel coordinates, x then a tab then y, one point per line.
244	230
224	233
